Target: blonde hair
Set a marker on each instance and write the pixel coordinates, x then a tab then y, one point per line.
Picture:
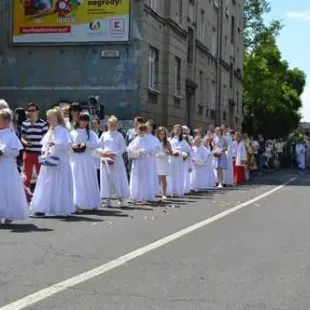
3	104
58	113
6	114
112	119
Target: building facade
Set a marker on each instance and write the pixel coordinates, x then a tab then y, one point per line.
182	64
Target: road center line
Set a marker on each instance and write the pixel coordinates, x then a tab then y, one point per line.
85	276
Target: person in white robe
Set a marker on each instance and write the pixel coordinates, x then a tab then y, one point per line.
113	175
301	155
180	151
152	167
240	157
86	195
140	151
229	171
162	160
199	158
13	202
53	194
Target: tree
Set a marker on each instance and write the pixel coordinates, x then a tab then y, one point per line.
271	96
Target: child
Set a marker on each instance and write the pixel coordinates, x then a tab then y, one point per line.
140	150
180	152
13	204
200	157
54	190
162	159
210	180
85	185
113	174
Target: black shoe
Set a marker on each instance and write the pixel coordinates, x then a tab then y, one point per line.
38	214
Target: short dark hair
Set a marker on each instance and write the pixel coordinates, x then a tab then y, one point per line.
32	105
139	119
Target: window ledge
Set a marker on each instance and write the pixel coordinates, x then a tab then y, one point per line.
153	91
176	96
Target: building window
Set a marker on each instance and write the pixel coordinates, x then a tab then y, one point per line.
214	42
231	75
212	114
202	25
177	76
224	116
200	109
190	46
177	103
154	4
153	68
152	98
201	88
232	35
179	12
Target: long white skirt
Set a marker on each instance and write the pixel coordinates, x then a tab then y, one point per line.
13	203
53	194
85	184
210	178
229	172
198	176
140	187
113	179
176	176
187	180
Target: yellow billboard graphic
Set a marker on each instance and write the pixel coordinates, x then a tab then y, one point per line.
70	21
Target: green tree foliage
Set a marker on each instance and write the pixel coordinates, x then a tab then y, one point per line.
271	97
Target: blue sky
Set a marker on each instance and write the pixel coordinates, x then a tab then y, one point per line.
294	42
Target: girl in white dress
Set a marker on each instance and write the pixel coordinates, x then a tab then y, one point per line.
152	167
140	151
188	160
13	203
86	194
162	160
53	194
180	151
229	172
199	158
210	180
113	175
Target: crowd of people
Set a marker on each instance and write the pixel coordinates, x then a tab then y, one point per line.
79	165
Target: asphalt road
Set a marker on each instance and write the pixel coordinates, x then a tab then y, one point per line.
254	258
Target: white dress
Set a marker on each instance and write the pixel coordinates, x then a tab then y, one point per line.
176	167
140	186
86	193
162	161
188	166
301	156
198	174
53	194
113	178
229	172
13	203
154	144
210	180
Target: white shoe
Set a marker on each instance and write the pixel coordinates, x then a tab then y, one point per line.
220	186
163	198
120	202
108	204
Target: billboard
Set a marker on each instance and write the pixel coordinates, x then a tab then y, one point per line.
70	21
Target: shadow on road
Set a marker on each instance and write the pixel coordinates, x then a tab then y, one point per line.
24	228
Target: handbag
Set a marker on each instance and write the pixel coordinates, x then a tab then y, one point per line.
49	160
79	149
199	163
